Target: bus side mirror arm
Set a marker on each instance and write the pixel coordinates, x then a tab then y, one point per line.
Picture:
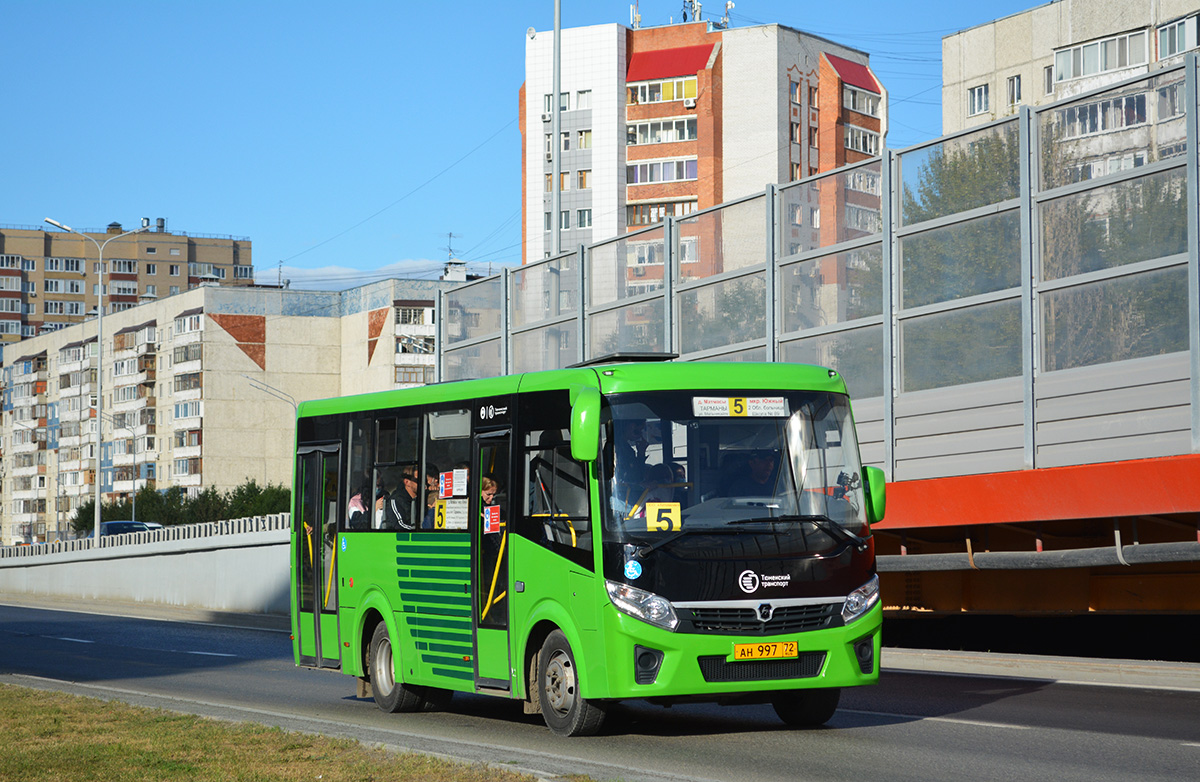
585	425
876	495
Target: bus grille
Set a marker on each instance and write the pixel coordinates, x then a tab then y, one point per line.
744	621
717	669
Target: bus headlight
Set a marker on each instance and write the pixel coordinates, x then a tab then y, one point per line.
861	600
643	605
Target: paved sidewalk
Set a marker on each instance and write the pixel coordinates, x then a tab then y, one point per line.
1129	673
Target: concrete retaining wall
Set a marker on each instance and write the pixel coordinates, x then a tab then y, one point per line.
239	566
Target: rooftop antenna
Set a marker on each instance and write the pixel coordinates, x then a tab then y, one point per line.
449	242
635	17
728	8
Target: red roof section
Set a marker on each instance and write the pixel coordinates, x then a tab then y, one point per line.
855	74
665	63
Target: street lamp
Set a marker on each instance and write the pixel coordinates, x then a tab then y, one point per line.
99	352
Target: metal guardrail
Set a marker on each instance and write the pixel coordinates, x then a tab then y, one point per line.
268	523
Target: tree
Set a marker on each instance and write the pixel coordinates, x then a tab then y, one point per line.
172	506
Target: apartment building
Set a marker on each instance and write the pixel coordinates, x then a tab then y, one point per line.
1058	50
50	279
660	122
199	391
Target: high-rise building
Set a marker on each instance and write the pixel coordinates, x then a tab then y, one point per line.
1058	50
199	391
50	279
665	121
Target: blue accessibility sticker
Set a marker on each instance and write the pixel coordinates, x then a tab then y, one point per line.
343	542
633	569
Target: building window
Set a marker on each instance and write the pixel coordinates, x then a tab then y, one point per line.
662	90
584	218
174	289
187	324
584	140
174	270
1014	90
661	131
860	100
407	343
174	251
583	99
241	272
585	178
1048	79
795	171
862	140
649	214
564	220
661	171
152	268
414	374
977	100
52	286
794	91
410	316
564	181
549	183
1172	39
151	251
1109	54
566	141
548	225
152	290
797	134
124	267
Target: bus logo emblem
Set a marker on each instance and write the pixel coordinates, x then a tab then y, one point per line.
748	581
765	612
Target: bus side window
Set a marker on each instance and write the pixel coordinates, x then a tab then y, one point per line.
358	475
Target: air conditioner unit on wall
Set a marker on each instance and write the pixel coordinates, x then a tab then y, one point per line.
549	157
689	103
546	116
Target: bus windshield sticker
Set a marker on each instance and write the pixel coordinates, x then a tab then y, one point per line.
664	517
491	519
633	569
456	514
460	482
739	407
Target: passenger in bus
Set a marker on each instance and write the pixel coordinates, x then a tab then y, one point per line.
399	509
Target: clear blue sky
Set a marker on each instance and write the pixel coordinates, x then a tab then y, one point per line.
346	140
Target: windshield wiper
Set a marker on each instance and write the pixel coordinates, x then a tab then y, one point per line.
818	520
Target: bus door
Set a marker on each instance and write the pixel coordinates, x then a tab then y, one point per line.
492	500
316	555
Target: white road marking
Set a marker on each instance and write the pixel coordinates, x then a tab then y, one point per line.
974	723
72	640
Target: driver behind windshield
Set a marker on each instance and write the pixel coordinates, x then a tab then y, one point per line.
758	478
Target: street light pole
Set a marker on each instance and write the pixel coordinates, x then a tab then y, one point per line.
99	353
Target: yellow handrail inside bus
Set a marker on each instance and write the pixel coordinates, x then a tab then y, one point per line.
492	599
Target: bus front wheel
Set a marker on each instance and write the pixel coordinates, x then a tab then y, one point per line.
566	712
807	708
390	695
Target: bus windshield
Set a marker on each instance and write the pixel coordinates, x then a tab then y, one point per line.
681	468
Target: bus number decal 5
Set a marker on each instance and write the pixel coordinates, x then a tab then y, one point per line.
663	516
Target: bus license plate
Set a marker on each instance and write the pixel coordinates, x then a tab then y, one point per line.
773	651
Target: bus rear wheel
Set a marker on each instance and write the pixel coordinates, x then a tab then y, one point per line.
807	708
566	712
390	695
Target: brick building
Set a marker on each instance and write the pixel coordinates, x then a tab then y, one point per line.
50	279
666	121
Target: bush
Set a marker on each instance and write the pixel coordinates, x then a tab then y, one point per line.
172	506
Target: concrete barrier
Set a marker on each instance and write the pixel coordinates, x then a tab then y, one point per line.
239	565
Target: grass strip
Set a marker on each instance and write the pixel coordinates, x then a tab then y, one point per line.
70	738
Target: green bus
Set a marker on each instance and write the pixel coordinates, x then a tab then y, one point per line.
651	530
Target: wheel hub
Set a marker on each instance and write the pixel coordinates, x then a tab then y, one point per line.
560	683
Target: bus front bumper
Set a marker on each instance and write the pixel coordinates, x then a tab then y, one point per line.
645	661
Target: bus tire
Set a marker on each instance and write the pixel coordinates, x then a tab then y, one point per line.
390	695
807	708
566	712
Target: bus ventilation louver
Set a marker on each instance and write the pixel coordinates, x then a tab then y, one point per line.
717	669
744	621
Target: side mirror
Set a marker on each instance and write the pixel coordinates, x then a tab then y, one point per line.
585	425
876	496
